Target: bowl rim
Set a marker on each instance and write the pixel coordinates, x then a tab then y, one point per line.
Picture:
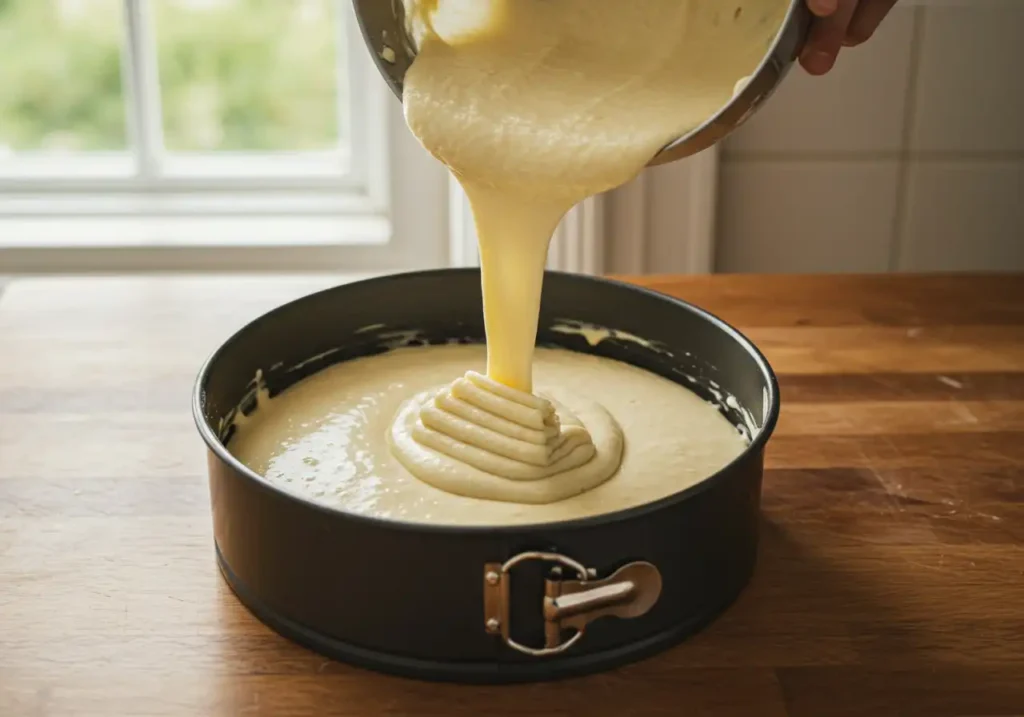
678	148
756	445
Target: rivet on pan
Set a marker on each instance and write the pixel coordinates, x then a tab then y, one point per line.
493	625
492	577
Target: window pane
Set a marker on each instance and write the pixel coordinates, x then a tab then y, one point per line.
249	75
60	76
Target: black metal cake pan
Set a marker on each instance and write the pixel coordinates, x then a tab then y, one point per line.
486	604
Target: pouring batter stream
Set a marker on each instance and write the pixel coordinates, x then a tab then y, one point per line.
535	105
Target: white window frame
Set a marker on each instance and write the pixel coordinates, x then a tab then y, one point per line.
381	206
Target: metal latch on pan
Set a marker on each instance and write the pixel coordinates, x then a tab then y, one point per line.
629	592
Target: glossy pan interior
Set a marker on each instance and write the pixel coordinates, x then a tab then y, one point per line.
409	598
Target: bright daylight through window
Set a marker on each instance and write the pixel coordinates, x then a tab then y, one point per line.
191	134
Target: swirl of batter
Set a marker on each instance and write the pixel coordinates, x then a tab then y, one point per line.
482	439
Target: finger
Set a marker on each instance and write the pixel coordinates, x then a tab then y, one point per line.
826	39
823	8
866	20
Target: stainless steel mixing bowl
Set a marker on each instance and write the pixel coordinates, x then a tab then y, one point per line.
383	25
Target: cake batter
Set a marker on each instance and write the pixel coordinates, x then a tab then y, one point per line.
534	105
326	437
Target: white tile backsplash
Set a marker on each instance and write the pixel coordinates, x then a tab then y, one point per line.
909	156
964	216
806	216
970	86
858	107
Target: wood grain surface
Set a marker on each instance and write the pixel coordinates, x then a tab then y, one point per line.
891	578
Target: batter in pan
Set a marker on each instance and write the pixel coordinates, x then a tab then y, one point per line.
326	438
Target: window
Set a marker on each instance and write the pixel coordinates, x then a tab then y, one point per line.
204	134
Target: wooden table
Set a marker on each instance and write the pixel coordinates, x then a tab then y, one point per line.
891	580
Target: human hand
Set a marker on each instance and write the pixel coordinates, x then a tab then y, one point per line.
840	23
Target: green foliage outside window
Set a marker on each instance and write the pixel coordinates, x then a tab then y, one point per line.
235	75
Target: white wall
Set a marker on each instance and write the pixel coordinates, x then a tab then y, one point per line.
908	156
